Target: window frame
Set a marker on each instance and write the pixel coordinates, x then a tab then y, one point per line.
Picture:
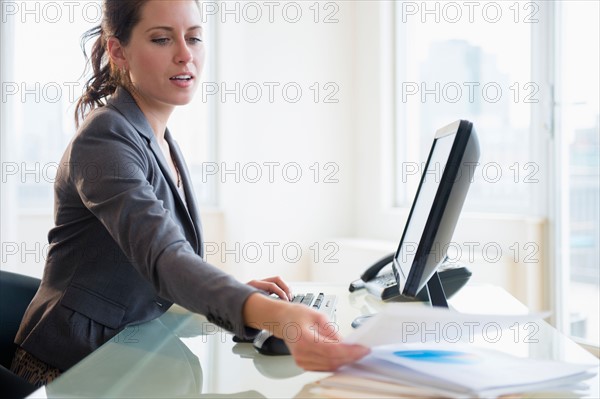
558	198
7	191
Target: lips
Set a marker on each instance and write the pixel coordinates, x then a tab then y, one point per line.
183	77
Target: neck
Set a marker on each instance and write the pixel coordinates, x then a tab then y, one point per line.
157	115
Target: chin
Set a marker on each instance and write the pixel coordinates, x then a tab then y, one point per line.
180	100
185	102
184	98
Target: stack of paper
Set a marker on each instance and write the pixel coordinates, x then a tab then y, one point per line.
454	371
429	352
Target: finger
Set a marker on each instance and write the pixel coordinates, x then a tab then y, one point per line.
279	281
273	288
329	332
267	284
253	283
279	292
330	357
270	288
322	329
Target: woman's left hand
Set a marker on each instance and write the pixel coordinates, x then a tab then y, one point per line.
273	285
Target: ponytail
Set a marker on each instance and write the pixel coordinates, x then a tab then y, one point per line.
119	17
102	83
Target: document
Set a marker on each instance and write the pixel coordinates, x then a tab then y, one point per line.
404	324
457	371
467	369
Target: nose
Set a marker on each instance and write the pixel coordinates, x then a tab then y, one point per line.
184	54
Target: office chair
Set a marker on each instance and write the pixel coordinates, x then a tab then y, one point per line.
16	292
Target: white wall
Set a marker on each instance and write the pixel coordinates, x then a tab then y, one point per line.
305	132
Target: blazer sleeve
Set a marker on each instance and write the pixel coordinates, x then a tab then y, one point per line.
111	168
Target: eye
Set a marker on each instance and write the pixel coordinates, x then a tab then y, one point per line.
162	41
195	40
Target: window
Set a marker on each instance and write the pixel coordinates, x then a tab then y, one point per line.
469	61
42	65
577	112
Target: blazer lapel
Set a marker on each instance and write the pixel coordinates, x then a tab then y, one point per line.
126	105
192	203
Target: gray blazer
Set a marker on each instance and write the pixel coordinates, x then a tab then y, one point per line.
124	246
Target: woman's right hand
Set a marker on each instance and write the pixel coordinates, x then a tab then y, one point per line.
312	338
314	341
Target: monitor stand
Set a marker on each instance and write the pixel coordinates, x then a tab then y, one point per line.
437	297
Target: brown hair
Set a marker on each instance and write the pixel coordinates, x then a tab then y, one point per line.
119	17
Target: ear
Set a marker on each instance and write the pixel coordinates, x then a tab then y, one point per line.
116	52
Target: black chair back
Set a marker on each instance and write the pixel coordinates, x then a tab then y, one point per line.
16	292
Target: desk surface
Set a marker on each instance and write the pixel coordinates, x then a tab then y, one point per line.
181	354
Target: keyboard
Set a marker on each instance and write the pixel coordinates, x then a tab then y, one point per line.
318	301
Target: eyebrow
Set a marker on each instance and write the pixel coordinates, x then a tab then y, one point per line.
170	29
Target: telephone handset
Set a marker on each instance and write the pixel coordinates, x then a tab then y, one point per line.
371	272
452	276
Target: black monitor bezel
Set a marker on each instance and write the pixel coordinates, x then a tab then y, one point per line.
413	284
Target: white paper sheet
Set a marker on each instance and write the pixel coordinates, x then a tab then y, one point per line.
404	324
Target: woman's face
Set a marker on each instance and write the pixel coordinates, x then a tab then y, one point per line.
165	54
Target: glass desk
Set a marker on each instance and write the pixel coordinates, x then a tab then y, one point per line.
181	354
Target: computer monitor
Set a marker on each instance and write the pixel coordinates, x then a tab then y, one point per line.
442	190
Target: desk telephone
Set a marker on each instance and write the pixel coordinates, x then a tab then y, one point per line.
384	286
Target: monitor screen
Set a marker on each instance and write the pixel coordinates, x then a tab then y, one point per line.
442	190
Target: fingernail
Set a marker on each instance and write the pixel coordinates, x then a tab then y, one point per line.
365	350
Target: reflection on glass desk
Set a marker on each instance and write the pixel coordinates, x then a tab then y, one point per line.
181	354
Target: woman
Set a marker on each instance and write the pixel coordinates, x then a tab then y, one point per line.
128	240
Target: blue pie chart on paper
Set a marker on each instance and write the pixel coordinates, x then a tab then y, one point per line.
439	356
